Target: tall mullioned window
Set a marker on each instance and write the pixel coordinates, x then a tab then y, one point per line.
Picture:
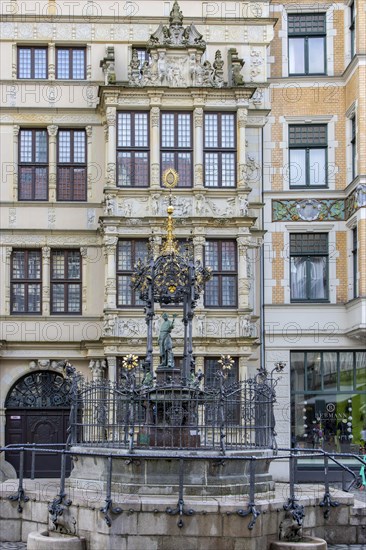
66	281
70	63
128	253
309	267
26	281
308	155
33	165
306	43
176	145
220	150
32	62
71	165
133	149
221	257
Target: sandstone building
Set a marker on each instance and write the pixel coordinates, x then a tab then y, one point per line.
261	110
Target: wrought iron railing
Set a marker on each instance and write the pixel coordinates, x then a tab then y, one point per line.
171	415
249	506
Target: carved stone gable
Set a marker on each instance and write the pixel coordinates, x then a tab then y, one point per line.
176	58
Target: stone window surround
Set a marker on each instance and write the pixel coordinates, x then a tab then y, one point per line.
51	59
350	113
333	254
329	41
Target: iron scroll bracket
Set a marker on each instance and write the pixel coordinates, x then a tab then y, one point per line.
180	509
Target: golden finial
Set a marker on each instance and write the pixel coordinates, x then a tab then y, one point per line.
170	180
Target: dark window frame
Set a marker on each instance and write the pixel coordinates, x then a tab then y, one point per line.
308	147
355	262
177	149
353	146
133	149
220	273
70	49
71	166
32	50
308	35
128	272
352	29
219	149
66	281
26	281
308	255
33	165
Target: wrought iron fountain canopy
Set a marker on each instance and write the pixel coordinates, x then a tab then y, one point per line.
173	277
173	408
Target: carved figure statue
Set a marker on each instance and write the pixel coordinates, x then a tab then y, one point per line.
109	204
162	67
165	341
243	206
134	69
290	530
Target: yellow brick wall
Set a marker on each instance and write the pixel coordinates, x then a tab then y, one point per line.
361	232
338	42
278	295
342	266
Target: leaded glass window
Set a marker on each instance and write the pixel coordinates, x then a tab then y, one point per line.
176	145
221	257
66	281
133	149
220	150
33	165
70	64
32	62
26	281
71	165
128	253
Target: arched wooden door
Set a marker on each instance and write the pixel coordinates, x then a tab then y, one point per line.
37	411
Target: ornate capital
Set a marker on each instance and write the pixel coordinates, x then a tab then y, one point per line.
97	367
83	251
199	241
8	251
155	115
46	252
242	117
198	117
243	246
89	131
111	116
52	130
16	130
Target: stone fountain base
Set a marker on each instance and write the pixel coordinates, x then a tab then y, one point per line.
160	476
306	543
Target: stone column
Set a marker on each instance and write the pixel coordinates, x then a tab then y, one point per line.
242	119
243	284
84	288
51	61
8	251
198	247
198	147
89	134
155	147
111	147
52	156
110	253
88	62
46	274
14	63
243	369
112	369
16	130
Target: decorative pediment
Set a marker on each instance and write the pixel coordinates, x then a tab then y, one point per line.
176	35
176	59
